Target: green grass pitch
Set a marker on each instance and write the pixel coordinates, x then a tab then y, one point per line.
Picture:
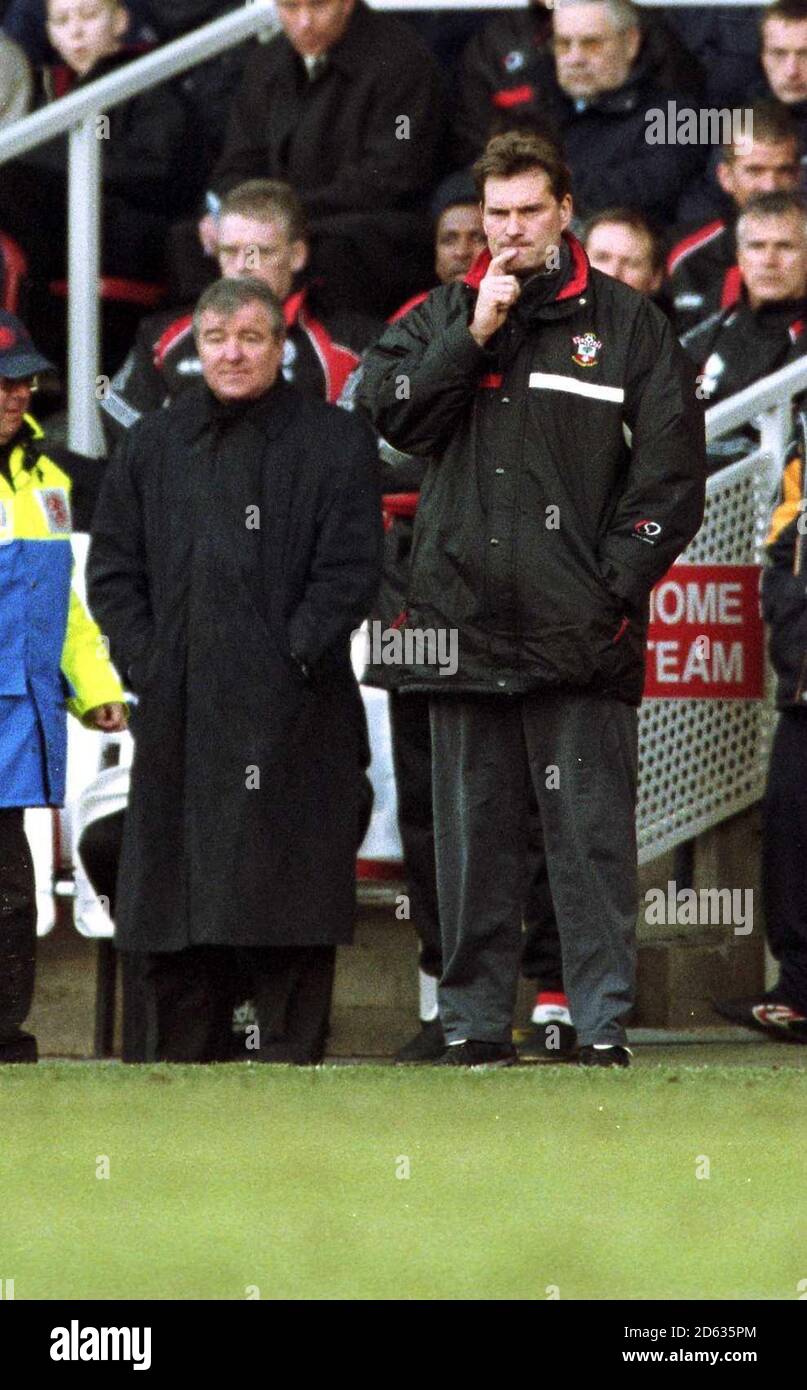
376	1182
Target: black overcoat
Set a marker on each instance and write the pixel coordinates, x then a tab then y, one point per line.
233	552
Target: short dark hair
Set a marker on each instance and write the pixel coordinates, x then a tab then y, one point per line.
629	217
228	296
772	123
264	199
518	152
783	9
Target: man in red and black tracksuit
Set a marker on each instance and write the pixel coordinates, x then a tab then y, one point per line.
767	326
261	234
566	474
702	267
781	1012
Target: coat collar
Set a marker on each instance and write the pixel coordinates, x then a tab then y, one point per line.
194	412
575	283
357	46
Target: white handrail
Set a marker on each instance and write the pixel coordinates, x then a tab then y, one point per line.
767	405
767	394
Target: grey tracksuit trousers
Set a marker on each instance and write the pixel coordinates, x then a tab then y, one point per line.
580	751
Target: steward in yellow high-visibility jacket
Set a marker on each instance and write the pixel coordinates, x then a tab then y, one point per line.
52	658
52	654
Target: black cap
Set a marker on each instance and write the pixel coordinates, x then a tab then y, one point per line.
18	356
456	190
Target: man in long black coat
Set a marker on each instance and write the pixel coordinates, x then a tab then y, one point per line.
237	543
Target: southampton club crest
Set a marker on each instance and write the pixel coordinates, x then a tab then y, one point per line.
587	348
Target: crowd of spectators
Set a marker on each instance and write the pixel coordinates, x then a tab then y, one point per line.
367	114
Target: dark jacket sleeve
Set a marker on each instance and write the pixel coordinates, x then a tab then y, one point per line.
345	569
661	506
422	374
136	388
117	581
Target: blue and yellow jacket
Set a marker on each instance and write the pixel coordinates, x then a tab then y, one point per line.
784	579
52	655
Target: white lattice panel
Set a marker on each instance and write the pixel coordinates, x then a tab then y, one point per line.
703	760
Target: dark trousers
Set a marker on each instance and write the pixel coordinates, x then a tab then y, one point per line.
17	937
190	995
580	754
100	849
412	760
784	856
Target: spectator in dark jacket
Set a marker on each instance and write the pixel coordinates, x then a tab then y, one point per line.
702	266
599	101
767	327
781	1012
345	106
506	65
143	154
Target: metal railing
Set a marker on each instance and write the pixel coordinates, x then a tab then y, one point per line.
767	405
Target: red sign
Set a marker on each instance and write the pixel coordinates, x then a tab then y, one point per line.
706	640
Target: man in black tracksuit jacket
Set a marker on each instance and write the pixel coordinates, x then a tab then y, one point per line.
566	475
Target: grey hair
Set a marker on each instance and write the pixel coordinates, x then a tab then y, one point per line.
782	203
622	13
228	296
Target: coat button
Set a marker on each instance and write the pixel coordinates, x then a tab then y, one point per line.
493	540
583	300
501	683
505	400
499	470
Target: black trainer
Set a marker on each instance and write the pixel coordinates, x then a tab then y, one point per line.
426	1046
767	1015
479	1054
548	1042
611	1056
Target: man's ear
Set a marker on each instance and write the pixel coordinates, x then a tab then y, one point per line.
566	210
299	256
725	176
121	21
633	42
